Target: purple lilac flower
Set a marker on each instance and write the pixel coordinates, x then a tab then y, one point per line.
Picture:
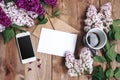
51	2
39	66
4	19
31	5
38	59
29	69
0	0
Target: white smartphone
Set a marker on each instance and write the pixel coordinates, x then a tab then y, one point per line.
25	47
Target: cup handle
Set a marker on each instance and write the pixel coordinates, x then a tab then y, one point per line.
95	52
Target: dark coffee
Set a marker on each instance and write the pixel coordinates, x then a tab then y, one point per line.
93	39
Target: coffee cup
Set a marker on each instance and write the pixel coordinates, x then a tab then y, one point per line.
95	38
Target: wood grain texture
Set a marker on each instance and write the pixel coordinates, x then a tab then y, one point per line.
44	72
52	67
59	69
11	67
69	12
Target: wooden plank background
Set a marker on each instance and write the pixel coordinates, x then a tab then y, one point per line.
52	67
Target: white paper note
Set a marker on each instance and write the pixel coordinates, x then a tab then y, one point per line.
56	42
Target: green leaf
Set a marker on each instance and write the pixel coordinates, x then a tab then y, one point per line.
109	73
117	72
57	13
114	33
99	59
8	34
44	5
15	26
42	19
98	73
116	22
118	58
41	0
116	28
111	35
45	20
6	1
111	54
117	35
107	46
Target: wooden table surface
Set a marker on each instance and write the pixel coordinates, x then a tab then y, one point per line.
52	67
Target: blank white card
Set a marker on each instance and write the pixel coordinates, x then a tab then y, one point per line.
56	42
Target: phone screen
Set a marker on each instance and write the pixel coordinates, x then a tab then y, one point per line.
25	47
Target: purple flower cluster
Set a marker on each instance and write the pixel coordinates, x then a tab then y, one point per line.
0	0
31	5
51	2
4	19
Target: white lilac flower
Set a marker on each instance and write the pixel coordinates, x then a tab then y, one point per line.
90	14
72	72
95	18
107	13
102	20
88	22
87	28
91	11
86	56
76	66
70	57
32	14
98	24
101	16
92	8
79	66
107	29
69	64
106	7
17	16
109	20
2	28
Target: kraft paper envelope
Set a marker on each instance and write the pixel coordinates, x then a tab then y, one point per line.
57	24
37	30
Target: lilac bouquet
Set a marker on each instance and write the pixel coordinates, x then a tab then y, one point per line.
22	13
77	67
101	19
